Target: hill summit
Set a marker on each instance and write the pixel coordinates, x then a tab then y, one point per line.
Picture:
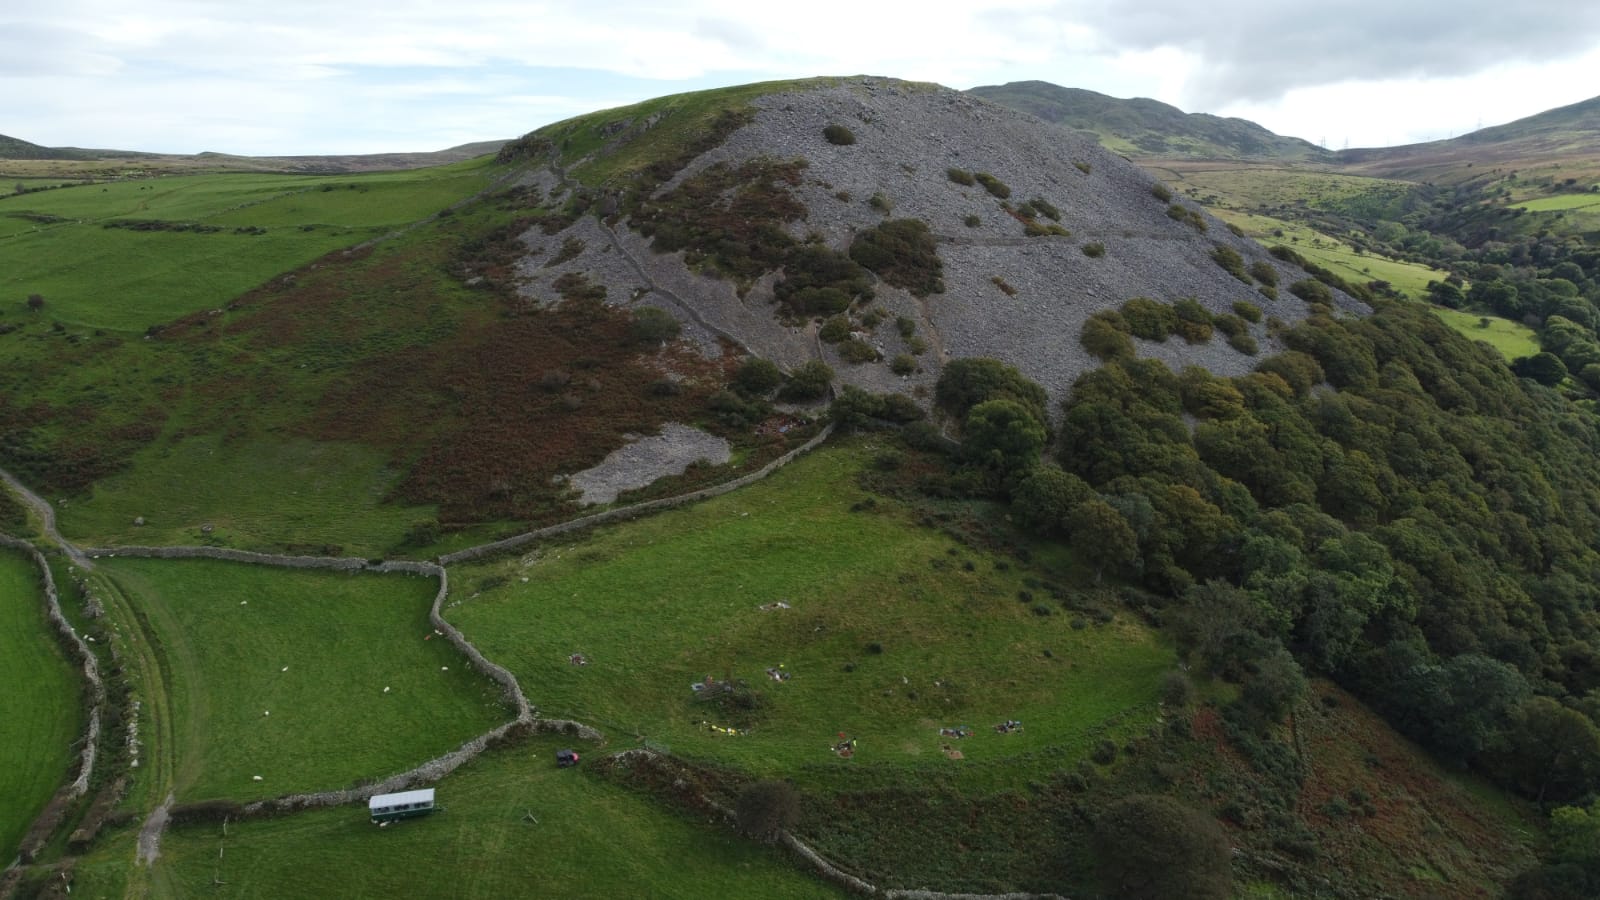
883	227
1144	127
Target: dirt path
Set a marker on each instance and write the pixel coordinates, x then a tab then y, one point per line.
150	832
47	520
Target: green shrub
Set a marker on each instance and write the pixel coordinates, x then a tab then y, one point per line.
903	364
972	221
902	252
993	185
1106	336
1194	322
1230	261
808	381
881	203
819	280
857	351
969	381
872	318
1004	286
1244	343
916	345
1287	254
652	325
757	377
1181	213
834	330
961	177
1094	250
1311	291
906	325
1082	167
1039	229
1268	291
1148	319
1264	272
839	135
1160	192
1247	311
1045	209
1231	325
766	809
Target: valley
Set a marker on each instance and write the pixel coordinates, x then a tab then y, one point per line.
1227	487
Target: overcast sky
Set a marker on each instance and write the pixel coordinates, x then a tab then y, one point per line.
266	77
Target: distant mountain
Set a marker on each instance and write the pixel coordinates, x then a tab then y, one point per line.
1564	134
16	148
1142	127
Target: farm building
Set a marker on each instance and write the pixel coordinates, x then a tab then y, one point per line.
404	805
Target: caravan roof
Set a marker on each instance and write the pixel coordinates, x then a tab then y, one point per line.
385	801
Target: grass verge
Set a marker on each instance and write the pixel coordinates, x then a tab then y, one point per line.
39	705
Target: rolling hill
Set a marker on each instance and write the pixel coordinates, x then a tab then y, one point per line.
1141	127
1048	507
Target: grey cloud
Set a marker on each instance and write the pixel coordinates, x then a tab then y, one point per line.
733	35
43	50
1260	49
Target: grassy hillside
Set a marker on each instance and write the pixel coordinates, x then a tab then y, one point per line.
881	639
39	705
181	244
1337	255
16	148
282	673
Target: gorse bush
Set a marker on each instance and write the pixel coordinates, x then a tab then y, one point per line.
1148	319
1264	272
834	330
1231	262
993	185
902	252
1106	336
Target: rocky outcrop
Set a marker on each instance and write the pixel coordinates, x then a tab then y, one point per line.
907	138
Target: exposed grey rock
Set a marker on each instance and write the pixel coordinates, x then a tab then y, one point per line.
907	136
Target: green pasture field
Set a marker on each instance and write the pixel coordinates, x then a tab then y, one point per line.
1560	202
225	633
1512	339
256	494
126	280
592	839
893	631
1256	187
1409	278
39	703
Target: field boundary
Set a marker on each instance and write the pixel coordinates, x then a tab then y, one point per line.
826	868
526	720
49	820
624	513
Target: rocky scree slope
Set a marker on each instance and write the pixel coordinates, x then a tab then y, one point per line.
1035	230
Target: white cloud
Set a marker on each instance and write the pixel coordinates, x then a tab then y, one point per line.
310	76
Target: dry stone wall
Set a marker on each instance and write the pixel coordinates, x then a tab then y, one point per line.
638	509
